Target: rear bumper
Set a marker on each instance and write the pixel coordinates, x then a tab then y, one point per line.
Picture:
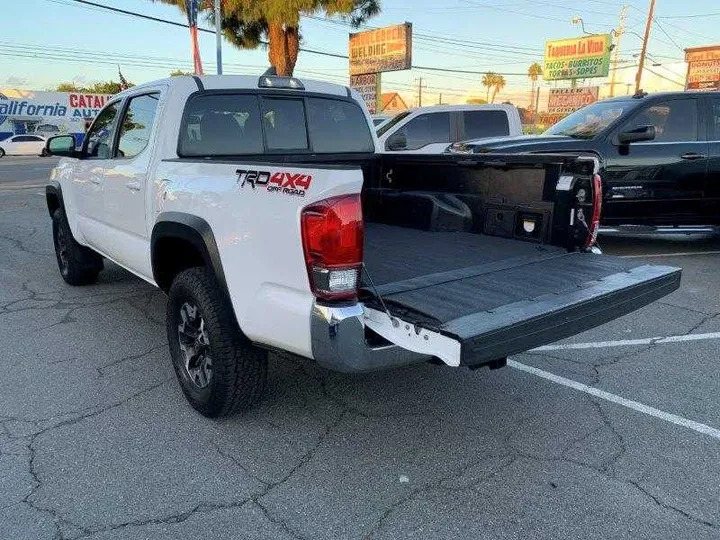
518	327
339	342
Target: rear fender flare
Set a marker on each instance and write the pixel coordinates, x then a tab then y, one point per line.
194	230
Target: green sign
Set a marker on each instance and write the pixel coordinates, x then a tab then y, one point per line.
577	58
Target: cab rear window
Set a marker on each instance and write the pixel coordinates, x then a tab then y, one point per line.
227	124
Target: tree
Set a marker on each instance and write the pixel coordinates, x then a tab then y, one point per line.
476	101
499	84
180	73
534	71
106	87
488	81
247	24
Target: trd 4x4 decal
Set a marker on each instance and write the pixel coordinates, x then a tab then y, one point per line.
279	182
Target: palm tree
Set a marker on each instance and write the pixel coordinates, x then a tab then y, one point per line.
534	72
488	81
248	23
497	86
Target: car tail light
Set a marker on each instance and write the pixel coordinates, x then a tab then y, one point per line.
332	235
594	223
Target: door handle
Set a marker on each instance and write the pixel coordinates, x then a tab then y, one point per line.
692	155
133	186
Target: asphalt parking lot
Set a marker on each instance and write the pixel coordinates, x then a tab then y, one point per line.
614	433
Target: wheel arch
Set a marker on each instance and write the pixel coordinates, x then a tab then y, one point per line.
54	197
174	231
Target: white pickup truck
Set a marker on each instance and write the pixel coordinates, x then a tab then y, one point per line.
261	207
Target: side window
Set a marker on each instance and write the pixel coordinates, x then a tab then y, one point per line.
221	125
715	120
338	126
100	137
137	125
34	138
675	120
427	129
22	138
485	124
284	124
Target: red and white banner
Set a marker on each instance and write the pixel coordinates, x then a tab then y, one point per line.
567	100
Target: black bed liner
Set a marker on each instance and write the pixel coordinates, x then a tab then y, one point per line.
500	296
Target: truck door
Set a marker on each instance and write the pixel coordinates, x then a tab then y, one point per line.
126	184
87	183
663	179
712	193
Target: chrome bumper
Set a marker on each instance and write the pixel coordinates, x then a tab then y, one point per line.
339	343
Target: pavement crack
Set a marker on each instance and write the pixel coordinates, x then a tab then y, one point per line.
101	369
668	506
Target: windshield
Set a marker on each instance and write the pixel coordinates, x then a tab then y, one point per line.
390	123
587	122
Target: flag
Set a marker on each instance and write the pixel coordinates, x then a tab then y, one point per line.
191	7
124	85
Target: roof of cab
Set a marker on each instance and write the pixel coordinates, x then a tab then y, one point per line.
241	82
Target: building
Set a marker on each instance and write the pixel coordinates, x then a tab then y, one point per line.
47	113
391	102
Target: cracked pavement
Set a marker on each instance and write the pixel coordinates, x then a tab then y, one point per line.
97	441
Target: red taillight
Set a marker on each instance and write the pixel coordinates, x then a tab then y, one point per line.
332	235
594	223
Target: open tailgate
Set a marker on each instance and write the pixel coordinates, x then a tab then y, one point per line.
477	314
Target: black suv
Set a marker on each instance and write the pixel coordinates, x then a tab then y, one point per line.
660	155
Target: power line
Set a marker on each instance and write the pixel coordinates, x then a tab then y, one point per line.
660	27
664	77
696	16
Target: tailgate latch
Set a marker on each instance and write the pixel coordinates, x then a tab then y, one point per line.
413	337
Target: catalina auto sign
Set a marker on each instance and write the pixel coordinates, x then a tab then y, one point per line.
47	113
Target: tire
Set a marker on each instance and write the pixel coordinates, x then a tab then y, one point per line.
78	265
44	153
2	153
224	372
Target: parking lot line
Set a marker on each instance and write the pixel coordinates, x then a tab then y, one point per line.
684	254
619	400
627	342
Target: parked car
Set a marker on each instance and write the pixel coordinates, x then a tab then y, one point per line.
659	155
46	130
23	145
428	130
379	119
256	203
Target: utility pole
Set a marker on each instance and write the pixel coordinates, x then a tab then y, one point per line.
616	52
643	51
218	36
420	89
440	99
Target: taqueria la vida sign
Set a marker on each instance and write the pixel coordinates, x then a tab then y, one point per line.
577	58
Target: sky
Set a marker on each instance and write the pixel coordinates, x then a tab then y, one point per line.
45	42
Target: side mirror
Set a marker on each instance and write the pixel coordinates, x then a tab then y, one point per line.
396	141
638	134
61	145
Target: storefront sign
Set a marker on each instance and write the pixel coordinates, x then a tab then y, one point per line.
567	100
384	49
367	85
47	113
577	58
703	71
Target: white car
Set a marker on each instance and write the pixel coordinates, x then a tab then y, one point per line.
429	130
23	145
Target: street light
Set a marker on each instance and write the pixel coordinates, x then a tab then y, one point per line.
577	21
